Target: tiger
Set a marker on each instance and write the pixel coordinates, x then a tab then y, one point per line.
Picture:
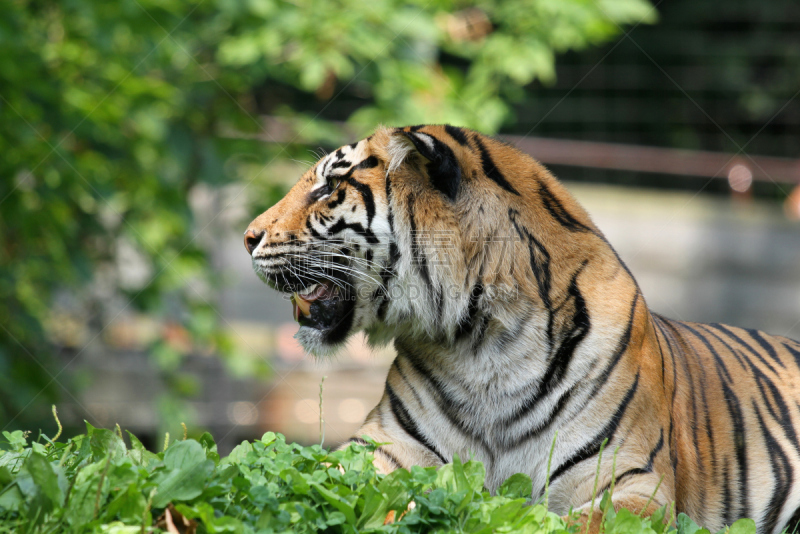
515	321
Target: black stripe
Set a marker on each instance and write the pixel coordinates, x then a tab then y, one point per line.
366	195
768	348
443	168
559	362
457	134
558	407
387	273
694	422
726	503
438	298
482	327
764	383
720	363
743	362
451	407
409	384
622	346
408	424
380	450
369	163
739	441
782	416
467	324
559	213
626	474
418	255
383	308
782	471
750	349
390	216
661	356
673	345
701	365
540	265
593	447
655	451
366	233
490	169
659	322
340	196
389	456
311	229
793	352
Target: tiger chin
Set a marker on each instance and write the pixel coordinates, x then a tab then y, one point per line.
513	318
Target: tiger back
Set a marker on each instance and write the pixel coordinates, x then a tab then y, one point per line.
514	318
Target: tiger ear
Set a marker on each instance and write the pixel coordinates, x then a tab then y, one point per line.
442	165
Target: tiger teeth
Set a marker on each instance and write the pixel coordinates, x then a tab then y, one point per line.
308	290
300	305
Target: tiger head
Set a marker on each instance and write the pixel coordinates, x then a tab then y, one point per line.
431	231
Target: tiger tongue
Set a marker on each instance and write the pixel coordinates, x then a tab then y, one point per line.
301	304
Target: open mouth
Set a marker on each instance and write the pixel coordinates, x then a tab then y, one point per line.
324	306
322	297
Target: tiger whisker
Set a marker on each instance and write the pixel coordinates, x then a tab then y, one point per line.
338	266
318	274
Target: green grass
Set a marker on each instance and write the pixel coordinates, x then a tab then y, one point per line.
94	482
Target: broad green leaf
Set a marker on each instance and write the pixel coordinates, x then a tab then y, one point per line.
627	522
139	454
44	477
105	442
5	476
295	480
210	446
516	487
15	439
11	497
658	520
337	502
129	505
184	455
336	518
686	525
83	497
375	508
239	453
184	475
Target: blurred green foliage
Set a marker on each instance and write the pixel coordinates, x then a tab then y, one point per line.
112	113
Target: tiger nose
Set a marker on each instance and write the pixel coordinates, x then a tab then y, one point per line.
252	239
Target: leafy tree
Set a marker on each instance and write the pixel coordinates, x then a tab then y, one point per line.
112	113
